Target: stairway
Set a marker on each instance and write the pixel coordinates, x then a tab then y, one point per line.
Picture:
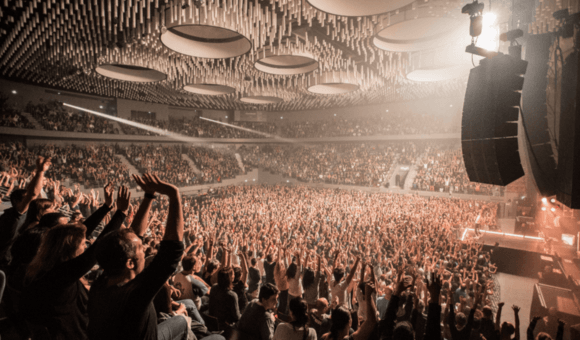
32	120
124	160
191	163
117	126
240	163
412	174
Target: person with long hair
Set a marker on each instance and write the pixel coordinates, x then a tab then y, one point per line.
298	328
311	284
54	298
37	208
341	320
223	301
13	218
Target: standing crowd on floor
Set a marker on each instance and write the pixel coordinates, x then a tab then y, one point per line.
250	262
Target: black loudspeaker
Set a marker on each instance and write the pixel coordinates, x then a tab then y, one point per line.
489	123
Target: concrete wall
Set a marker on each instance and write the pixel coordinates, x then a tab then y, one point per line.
124	108
442	105
36	94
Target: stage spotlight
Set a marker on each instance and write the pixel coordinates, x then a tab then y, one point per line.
553	209
14	92
544	200
543	208
553	200
474	10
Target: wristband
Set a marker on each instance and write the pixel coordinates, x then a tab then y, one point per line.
151	196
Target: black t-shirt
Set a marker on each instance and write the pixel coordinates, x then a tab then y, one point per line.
126	312
269	269
240	290
57	299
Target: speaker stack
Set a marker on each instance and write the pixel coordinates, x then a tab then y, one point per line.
490	121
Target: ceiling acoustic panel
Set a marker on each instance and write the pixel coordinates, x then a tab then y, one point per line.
209	89
210	54
440	64
130	73
205	41
418	27
335	82
286	64
261	100
358	8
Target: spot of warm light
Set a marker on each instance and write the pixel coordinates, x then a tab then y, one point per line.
281	117
451	105
226	117
335	114
553	209
100	106
489	38
543	208
544	200
553	200
387	111
14	92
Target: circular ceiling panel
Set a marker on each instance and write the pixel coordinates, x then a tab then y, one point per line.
416	29
205	41
333	88
358	8
209	89
438	74
130	73
261	100
286	64
445	63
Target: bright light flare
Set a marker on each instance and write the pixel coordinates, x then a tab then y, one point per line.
553	209
248	130
543	208
489	38
544	200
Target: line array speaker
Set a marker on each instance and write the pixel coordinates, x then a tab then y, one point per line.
490	121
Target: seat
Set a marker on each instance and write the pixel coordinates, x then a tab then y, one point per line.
211	322
284	317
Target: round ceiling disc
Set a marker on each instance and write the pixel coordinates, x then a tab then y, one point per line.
131	73
261	100
333	88
415	35
286	64
209	89
358	8
425	27
438	74
205	41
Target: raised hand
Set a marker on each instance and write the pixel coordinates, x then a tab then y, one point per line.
146	183
109	190
162	187
123	199
434	288
516	309
43	164
369	289
561	323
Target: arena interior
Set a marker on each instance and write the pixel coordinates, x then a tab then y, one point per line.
289	169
